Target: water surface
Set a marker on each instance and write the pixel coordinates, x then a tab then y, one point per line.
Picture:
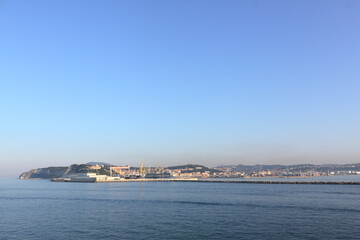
40	209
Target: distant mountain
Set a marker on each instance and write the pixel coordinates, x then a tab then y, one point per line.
186	166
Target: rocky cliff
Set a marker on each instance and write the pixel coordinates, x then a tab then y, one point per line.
50	172
54	172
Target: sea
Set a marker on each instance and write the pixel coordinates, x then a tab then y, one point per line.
41	209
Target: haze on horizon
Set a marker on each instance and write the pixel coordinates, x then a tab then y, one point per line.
176	82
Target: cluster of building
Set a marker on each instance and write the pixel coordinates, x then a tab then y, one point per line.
190	172
103	173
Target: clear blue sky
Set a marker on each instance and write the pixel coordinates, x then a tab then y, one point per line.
171	82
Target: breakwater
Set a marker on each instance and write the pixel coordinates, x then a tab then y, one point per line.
221	181
279	182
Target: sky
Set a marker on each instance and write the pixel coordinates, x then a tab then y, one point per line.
176	82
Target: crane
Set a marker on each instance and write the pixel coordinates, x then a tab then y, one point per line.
141	170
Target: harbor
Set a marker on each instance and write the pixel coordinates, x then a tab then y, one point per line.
123	174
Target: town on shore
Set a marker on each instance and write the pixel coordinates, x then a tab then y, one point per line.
98	171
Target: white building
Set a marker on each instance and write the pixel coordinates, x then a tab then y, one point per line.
90	177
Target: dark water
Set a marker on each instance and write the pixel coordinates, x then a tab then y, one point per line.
38	209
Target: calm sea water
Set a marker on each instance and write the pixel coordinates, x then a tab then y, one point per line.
39	209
